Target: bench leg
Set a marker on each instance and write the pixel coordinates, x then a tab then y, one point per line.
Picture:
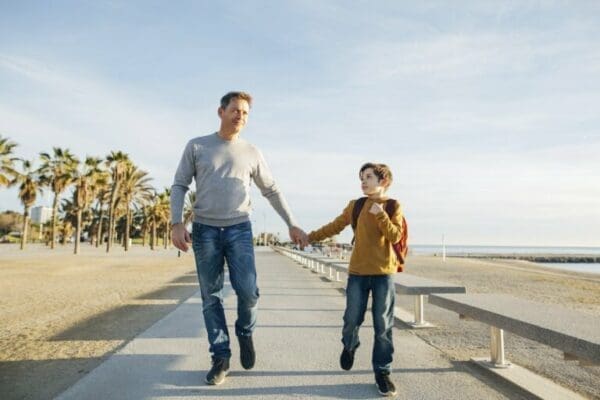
419	311
497	358
337	276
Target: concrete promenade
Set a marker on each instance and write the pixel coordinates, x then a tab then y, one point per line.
298	345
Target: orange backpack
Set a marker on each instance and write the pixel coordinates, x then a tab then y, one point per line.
400	248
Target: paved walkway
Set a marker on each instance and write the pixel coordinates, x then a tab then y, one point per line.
298	344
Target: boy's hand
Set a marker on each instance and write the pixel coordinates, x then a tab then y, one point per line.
376	208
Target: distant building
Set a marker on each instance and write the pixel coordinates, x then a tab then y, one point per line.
41	214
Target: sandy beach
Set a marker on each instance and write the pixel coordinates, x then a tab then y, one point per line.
62	315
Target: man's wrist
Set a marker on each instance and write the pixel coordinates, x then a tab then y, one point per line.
174	224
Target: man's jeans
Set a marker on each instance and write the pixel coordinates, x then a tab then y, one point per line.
383	297
212	246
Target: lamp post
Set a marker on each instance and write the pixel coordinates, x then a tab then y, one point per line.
443	248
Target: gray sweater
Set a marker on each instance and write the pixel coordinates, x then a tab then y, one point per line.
223	171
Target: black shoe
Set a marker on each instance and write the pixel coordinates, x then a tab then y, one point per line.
384	384
247	353
347	358
218	372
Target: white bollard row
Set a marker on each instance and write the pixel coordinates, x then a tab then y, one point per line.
316	265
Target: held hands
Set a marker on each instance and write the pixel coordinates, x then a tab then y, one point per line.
181	237
376	208
299	237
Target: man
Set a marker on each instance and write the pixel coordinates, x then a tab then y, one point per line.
223	164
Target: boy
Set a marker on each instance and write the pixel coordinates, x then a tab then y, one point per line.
372	267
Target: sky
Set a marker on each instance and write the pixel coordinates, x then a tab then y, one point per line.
487	112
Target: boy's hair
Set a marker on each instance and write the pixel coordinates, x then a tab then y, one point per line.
381	171
225	100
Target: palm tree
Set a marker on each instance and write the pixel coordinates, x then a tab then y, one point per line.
165	198
29	186
135	189
145	218
188	208
117	162
68	218
65	228
87	180
6	161
158	213
57	174
153	213
102	198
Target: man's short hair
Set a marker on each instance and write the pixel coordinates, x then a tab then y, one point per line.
225	100
381	171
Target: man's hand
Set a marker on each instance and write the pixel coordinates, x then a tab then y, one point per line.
376	208
181	237
299	237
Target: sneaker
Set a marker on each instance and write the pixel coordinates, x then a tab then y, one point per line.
384	384
218	372
247	353
347	358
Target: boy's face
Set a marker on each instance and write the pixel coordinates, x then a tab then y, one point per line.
370	183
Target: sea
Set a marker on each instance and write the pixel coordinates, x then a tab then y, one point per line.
455	250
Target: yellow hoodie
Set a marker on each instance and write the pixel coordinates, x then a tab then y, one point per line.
374	234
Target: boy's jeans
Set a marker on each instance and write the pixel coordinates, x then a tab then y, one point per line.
212	246
383	294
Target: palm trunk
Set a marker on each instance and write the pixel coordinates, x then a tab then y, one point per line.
127	225
78	231
99	233
25	223
153	238
167	234
111	218
54	219
109	236
144	233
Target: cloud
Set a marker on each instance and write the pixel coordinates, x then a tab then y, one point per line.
91	116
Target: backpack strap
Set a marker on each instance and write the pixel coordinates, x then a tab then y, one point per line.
390	207
358	205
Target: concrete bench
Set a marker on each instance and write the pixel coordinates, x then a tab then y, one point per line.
420	287
575	333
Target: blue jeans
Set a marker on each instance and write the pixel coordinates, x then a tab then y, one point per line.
212	247
383	292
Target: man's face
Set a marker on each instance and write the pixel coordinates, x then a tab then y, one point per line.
235	115
370	183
